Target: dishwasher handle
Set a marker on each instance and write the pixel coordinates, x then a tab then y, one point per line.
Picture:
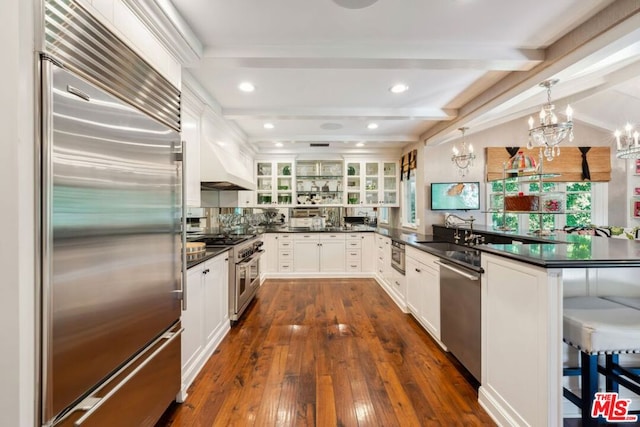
470	276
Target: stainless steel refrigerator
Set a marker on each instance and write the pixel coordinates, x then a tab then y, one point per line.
111	257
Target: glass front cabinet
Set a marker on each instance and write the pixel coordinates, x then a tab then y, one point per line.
274	183
372	183
319	182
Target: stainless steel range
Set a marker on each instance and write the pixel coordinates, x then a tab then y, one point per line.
244	271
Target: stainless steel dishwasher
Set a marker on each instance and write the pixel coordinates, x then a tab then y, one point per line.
460	314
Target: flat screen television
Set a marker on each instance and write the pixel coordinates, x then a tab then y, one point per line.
455	196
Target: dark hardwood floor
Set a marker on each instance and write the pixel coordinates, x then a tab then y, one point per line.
328	352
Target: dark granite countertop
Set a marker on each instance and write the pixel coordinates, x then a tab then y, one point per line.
563	250
592	251
287	229
193	260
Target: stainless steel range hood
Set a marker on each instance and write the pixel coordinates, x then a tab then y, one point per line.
221	171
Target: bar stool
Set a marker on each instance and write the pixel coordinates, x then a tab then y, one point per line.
599	326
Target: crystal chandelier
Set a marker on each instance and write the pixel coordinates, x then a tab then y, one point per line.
627	143
550	132
463	158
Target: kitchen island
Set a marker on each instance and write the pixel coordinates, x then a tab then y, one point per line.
523	287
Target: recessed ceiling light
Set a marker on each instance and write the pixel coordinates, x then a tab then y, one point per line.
354	4
399	88
372	126
360	144
331	126
246	87
278	144
268	126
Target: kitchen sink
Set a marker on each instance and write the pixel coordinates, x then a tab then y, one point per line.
444	246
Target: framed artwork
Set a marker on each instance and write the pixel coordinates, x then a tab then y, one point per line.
635	206
637	171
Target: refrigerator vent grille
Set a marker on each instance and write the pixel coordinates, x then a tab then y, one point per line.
83	45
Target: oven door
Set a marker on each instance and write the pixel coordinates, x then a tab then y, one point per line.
397	258
247	283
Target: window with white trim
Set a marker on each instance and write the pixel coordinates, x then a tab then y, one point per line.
562	204
409	199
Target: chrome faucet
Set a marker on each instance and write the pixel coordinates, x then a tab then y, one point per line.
469	238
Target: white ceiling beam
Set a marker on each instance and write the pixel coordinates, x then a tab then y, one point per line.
379	50
392	63
333	138
300	113
377	56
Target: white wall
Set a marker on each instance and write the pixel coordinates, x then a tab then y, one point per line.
18	398
17	375
439	168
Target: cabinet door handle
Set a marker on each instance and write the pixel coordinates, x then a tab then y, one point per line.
353	266
418	270
398	284
285	266
353	253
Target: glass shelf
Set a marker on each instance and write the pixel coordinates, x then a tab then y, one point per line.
314	177
527	178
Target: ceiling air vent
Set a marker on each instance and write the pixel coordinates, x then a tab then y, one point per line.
319	144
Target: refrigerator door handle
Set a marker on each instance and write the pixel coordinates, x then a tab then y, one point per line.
77	92
183	285
92	404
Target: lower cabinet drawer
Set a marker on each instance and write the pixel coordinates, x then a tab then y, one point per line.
285	256
354	244
286	266
353	266
353	255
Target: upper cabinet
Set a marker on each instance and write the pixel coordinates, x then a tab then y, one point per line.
288	182
372	183
191	112
274	183
319	182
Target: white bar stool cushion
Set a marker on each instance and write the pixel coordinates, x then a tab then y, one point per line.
598	326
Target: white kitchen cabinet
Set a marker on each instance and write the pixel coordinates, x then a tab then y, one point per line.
368	252
332	253
423	289
307	253
206	318
270	255
216	295
193	323
274	183
246	198
372	183
398	289
191	136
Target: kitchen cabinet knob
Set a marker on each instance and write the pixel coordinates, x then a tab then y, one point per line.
226	259
418	270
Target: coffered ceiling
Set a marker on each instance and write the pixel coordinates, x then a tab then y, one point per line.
322	72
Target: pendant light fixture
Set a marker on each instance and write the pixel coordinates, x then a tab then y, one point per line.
464	157
550	132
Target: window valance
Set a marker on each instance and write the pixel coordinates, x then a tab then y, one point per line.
408	162
574	163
